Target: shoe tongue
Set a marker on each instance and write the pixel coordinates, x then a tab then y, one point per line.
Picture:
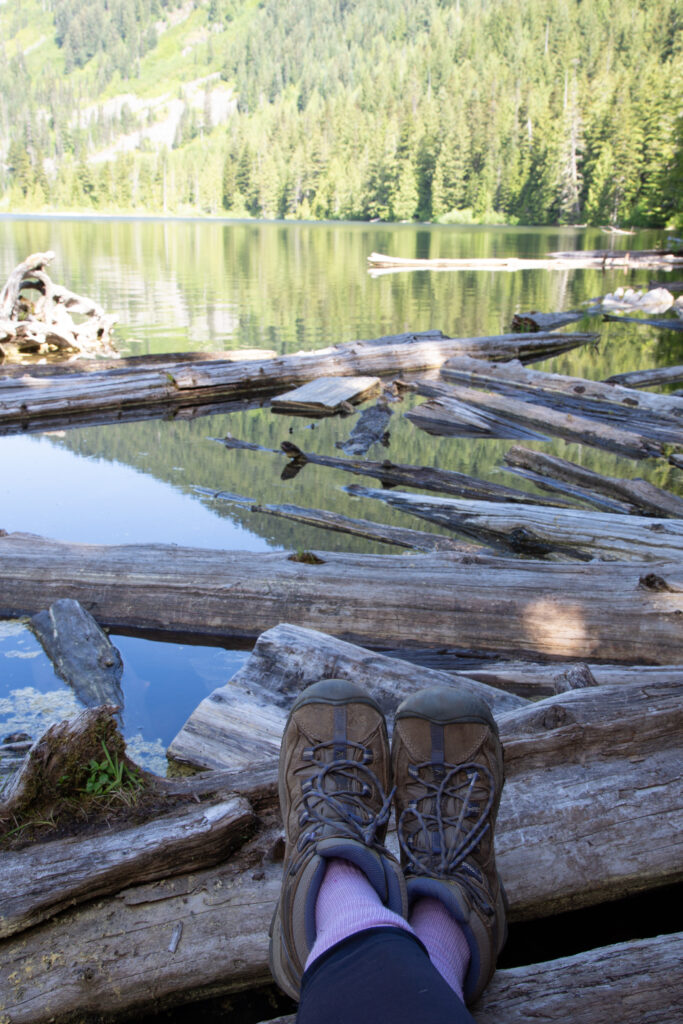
339	734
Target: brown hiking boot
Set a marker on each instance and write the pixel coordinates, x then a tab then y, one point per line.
334	784
448	766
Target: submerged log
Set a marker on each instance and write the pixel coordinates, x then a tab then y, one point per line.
82	654
611	613
392	474
239	725
535	531
550	471
27	402
452	408
370	429
647	378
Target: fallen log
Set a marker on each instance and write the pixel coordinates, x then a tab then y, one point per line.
537	532
643	978
29	400
647	378
600	259
240	725
81	653
451	408
550	471
544	321
592	398
370	429
392	474
613	612
662	323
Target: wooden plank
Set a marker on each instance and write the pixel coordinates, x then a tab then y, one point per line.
640	980
28	400
532	530
608	491
239	725
595	611
44	878
326	395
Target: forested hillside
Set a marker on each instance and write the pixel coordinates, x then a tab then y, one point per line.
537	112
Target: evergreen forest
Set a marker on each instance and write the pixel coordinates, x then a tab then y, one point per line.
454	111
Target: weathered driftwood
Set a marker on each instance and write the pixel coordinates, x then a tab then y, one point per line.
550	471
538	532
601	259
455	410
44	878
663	323
326	396
371	428
592	398
544	321
637	982
39	400
393	474
47	325
612	613
82	654
240	724
647	378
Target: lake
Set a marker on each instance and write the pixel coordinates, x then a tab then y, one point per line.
208	285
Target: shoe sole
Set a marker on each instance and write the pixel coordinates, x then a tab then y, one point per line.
446	705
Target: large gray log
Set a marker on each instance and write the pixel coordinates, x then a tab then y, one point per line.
647	378
82	654
530	529
38	400
239	725
610	612
46	877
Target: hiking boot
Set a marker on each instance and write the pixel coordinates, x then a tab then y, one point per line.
448	766
334	783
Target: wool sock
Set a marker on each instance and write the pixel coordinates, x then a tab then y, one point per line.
444	940
346	904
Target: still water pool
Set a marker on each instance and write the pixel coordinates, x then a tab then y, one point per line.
197	285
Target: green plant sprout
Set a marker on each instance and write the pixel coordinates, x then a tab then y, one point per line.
110	775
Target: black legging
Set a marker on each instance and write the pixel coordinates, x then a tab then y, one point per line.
376	976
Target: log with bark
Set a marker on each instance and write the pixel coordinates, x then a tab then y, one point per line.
617	495
47	325
596	611
392	474
542	532
37	402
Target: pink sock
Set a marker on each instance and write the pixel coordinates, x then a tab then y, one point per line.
444	940
347	904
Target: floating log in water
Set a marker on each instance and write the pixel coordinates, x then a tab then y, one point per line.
544	321
370	429
663	323
609	612
47	325
459	411
82	654
28	402
537	532
647	378
550	471
326	396
239	725
600	259
392	474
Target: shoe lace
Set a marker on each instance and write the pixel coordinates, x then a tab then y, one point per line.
468	791
338	794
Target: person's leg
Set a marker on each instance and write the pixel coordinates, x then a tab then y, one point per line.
448	768
377	976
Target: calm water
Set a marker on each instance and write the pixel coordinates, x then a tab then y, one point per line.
185	285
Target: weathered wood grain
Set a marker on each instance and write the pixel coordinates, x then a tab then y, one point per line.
597	611
26	400
240	725
42	879
326	395
530	529
647	378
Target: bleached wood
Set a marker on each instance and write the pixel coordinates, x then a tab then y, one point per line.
44	878
326	395
38	401
531	679
647	378
603	260
558	532
239	725
598	611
